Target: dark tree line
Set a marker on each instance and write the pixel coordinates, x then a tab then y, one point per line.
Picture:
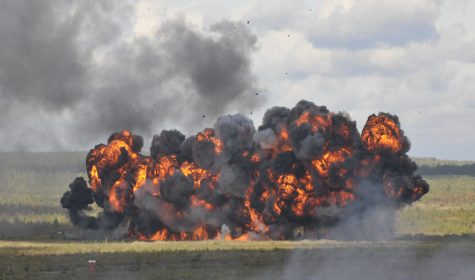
75	162
466	169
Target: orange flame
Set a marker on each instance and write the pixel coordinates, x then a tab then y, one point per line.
382	133
293	191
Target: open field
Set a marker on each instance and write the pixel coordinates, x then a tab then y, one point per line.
426	258
448	208
434	238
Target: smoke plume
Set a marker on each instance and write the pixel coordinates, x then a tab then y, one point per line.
305	172
70	66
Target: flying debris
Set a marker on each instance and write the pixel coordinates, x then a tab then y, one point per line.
304	167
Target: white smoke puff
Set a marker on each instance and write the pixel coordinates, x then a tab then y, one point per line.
225	231
345	114
266	139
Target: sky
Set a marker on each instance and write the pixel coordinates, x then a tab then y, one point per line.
73	72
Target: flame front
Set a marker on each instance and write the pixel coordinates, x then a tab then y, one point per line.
254	184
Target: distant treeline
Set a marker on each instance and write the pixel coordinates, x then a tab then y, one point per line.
468	169
439	167
433	162
74	162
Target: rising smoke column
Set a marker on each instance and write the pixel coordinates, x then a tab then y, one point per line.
62	69
303	167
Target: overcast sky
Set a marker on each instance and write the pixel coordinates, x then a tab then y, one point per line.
72	72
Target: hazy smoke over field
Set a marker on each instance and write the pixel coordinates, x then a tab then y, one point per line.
394	260
70	65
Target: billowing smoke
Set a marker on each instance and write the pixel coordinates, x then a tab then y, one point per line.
303	172
70	66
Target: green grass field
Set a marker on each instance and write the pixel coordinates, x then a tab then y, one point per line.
434	238
448	208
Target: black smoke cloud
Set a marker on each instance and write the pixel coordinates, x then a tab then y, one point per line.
318	173
69	66
78	200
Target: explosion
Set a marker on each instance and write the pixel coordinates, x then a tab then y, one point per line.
233	182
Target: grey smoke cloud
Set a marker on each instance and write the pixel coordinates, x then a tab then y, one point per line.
74	72
235	131
38	51
382	260
47	48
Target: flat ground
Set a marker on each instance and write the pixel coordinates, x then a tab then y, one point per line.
406	258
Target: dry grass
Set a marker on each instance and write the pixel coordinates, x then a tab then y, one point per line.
448	208
237	260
